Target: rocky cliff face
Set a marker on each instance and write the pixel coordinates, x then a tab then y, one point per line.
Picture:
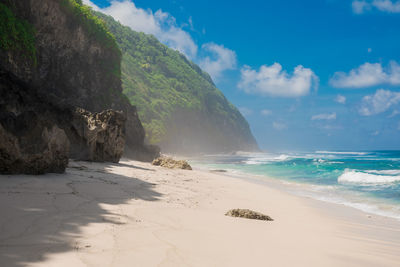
30	140
97	136
76	61
70	62
38	134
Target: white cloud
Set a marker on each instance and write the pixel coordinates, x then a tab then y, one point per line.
245	111
360	6
381	101
279	126
340	99
366	75
160	24
163	26
266	112
273	81
190	20
91	4
330	127
394	113
324	116
221	59
389	6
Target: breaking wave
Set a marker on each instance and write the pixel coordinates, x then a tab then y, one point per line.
369	177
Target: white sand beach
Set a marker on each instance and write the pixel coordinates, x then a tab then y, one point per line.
136	214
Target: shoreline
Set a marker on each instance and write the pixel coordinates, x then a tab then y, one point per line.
368	205
335	210
133	213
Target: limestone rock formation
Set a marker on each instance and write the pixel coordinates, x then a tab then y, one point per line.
38	130
171	163
76	64
248	214
97	136
28	145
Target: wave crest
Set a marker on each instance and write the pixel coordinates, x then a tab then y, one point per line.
342	153
272	158
366	178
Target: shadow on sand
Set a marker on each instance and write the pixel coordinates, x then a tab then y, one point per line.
44	215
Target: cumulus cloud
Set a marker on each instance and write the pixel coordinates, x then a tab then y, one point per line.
273	81
221	59
279	126
360	6
160	24
379	102
340	99
324	116
366	75
389	6
91	4
266	112
163	26
394	113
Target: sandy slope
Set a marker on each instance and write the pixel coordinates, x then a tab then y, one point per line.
135	214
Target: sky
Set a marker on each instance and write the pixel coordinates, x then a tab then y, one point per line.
307	75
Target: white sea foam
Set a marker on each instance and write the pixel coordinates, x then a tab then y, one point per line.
367	178
282	157
372	208
333	194
266	159
389	172
341	153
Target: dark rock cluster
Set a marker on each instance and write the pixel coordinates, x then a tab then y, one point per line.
33	148
171	163
248	214
97	136
39	133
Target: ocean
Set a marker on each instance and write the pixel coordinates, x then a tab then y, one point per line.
366	180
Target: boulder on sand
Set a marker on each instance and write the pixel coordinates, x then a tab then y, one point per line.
172	163
248	214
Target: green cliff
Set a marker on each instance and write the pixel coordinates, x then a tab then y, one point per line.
66	54
178	103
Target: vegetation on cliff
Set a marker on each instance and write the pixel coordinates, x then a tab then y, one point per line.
16	34
41	120
92	24
97	33
162	82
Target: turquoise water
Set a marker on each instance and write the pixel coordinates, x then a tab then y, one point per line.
369	181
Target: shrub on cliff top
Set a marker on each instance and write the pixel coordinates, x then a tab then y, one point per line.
16	34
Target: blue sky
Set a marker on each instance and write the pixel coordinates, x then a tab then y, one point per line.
307	75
